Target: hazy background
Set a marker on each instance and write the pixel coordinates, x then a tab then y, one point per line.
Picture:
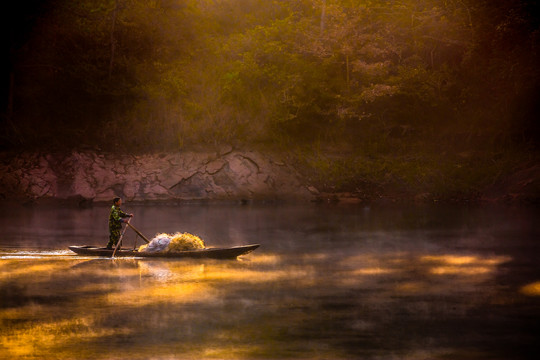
169	73
358	93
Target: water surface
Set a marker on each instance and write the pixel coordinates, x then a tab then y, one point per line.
328	282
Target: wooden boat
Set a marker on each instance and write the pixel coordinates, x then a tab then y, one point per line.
211	253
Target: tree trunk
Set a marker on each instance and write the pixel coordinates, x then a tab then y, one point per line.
348	72
323	15
113	39
9	110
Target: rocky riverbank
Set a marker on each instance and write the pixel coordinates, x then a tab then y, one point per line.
88	177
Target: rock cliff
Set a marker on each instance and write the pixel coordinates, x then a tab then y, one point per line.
89	176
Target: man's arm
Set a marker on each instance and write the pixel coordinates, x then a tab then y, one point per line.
123	214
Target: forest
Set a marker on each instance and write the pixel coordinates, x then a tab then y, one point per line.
434	94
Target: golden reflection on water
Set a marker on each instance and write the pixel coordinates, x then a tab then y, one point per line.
40	329
465	260
532	289
31	340
422	273
463	265
372	271
174	293
139	309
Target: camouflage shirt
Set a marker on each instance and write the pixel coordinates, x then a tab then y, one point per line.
115	217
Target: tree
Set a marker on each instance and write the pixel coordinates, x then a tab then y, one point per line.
169	73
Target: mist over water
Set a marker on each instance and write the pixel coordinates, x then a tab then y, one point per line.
329	281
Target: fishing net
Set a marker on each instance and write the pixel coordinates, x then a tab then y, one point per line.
157	244
185	241
173	243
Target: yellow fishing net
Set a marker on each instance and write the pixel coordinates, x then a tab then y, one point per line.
142	248
185	241
173	243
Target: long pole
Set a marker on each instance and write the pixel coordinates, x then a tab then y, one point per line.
138	232
120	240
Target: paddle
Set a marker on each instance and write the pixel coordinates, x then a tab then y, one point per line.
120	239
138	232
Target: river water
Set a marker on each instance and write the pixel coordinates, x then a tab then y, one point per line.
328	282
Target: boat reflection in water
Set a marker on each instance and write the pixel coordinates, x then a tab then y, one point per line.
333	292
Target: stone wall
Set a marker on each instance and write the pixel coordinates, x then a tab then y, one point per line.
89	176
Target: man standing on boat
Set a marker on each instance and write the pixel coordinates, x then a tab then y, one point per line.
116	218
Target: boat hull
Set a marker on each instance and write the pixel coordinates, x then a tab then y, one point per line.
211	253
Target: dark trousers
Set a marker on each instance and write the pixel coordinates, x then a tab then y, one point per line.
114	236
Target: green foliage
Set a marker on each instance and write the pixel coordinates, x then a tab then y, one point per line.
430	175
382	77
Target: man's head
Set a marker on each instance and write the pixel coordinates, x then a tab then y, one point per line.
117	201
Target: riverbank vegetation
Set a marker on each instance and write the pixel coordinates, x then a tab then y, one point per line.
362	94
